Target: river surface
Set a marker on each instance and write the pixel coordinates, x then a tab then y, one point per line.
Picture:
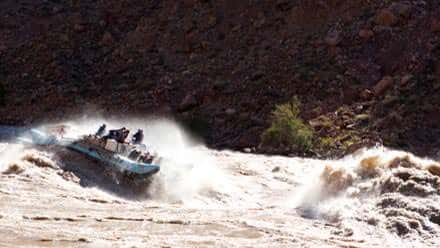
50	197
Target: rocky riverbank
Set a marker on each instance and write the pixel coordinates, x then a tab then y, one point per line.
364	72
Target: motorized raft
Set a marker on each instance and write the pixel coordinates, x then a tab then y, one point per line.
132	160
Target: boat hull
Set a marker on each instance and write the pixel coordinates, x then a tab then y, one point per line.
109	159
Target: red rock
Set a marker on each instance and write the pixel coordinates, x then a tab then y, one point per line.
188	102
230	111
401	9
405	79
333	38
366	33
366	95
437	70
107	39
79	27
383	85
435	25
386	18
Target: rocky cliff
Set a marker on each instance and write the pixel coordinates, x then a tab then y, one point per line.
363	70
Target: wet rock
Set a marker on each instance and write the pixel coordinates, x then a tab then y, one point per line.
383	85
385	18
276	169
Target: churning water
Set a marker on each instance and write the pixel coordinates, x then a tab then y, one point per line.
51	197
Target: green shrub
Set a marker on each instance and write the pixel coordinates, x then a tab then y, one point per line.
288	129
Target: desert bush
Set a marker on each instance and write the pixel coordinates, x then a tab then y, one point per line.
288	129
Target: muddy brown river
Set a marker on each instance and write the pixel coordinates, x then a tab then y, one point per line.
50	197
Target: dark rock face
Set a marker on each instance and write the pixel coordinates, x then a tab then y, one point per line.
228	61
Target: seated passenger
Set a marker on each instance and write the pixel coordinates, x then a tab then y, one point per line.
138	137
147	158
101	130
125	133
118	134
134	154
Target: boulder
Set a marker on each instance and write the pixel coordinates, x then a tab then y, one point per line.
188	102
386	18
79	27
366	33
362	117
401	9
366	95
435	25
383	85
230	111
405	79
107	39
333	38
437	70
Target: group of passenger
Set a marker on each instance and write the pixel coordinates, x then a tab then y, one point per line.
121	135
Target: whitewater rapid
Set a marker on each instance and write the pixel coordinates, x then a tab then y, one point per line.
206	198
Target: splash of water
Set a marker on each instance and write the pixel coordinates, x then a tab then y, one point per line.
380	187
187	168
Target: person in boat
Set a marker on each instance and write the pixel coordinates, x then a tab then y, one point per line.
125	133
120	135
101	130
134	154
146	158
138	137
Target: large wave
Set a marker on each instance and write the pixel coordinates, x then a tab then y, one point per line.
385	189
